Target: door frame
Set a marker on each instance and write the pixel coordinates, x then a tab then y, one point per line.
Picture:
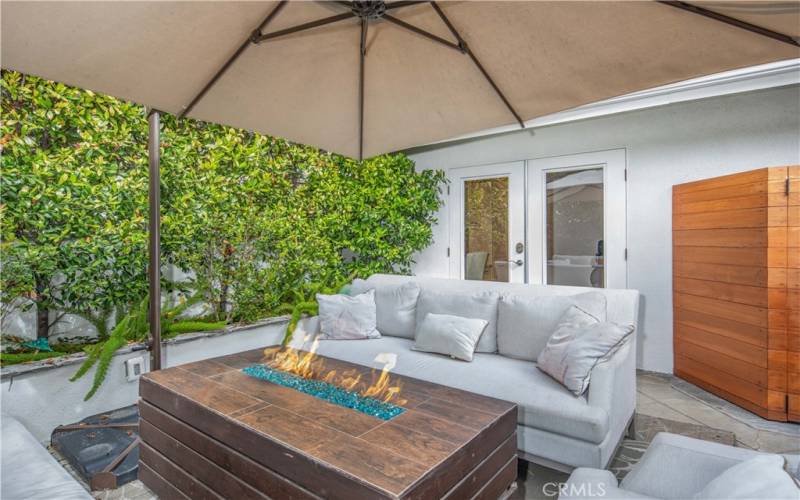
515	171
614	212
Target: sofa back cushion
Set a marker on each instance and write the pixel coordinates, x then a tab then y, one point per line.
477	305
525	323
396	306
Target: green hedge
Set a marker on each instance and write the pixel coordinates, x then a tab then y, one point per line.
255	218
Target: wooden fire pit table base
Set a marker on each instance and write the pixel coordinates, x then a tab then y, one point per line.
210	431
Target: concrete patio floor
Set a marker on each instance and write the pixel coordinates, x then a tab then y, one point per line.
676	407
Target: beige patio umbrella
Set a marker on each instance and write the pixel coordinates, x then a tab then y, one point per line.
431	71
368	77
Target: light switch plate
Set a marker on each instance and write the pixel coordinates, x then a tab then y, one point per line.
134	368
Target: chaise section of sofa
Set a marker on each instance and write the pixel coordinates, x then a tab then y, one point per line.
555	427
29	471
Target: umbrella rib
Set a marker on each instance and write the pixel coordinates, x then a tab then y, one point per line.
233	58
362	54
465	48
732	21
420	31
399	4
302	27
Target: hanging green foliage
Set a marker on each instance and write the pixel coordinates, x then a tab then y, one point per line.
134	327
247	218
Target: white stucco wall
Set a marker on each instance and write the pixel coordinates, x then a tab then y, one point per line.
44	399
665	146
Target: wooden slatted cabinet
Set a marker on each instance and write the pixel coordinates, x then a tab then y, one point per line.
736	288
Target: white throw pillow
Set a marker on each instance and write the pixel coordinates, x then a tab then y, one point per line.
477	305
759	477
579	342
454	336
524	324
343	317
396	306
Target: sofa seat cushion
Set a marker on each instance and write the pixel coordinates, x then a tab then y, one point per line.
543	403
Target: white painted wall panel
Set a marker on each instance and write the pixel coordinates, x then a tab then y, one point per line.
665	146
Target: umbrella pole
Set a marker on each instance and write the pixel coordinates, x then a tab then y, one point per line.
154	237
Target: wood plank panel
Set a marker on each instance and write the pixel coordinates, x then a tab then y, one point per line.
743	275
757	176
732	385
483	473
775	186
163	489
756	316
211	475
758	336
499	483
733	274
731	256
793	298
752	374
753	238
729	346
750	201
732	219
244	468
742	294
184	482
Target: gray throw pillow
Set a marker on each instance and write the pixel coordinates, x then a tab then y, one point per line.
477	305
342	317
525	323
453	336
396	306
579	342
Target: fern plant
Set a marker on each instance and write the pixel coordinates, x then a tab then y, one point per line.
135	327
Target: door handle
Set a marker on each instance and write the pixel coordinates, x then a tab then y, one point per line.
517	262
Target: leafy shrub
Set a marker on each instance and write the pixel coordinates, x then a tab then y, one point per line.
7	358
253	220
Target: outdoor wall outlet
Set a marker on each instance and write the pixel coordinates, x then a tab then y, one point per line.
134	368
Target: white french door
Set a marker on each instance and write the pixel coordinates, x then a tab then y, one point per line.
487	215
558	221
577	220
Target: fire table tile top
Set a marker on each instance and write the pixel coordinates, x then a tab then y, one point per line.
372	463
441	428
203	391
304	447
329	414
468	417
206	368
420	446
300	433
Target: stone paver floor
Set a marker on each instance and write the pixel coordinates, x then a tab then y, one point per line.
663	404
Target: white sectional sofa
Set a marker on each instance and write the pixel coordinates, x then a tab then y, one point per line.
556	428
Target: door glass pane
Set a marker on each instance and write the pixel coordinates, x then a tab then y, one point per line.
574	222
486	229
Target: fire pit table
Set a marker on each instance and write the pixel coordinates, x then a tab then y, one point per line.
233	427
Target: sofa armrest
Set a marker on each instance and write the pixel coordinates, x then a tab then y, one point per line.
306	330
594	483
612	386
678	466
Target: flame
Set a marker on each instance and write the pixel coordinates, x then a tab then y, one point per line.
309	365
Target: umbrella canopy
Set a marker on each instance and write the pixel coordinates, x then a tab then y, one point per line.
429	71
